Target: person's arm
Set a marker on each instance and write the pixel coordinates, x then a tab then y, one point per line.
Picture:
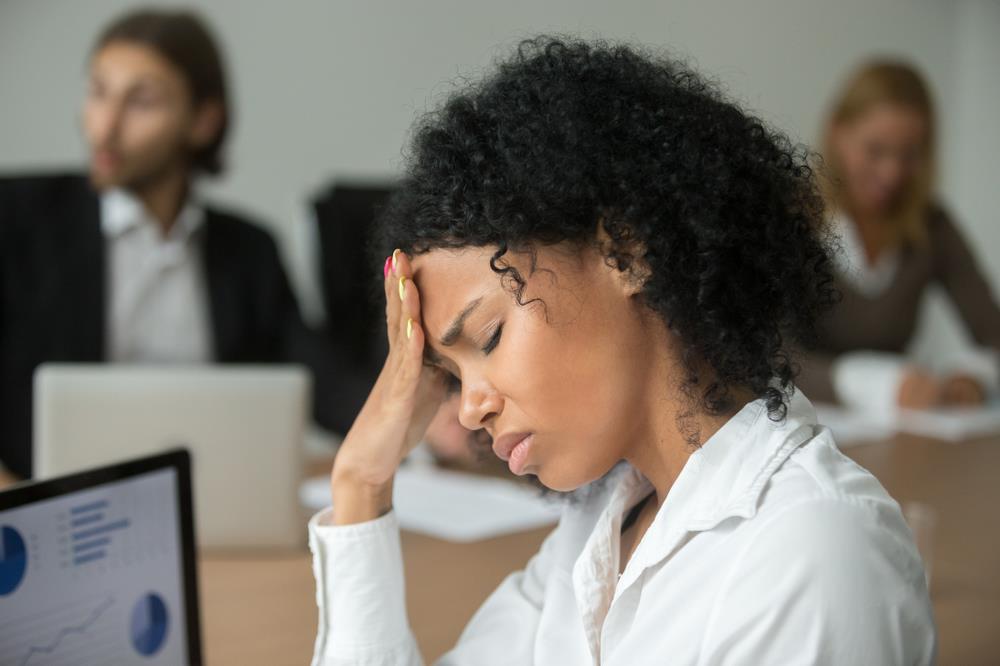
958	271
862	380
360	594
362	608
827	581
359	564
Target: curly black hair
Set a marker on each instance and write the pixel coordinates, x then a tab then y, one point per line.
568	136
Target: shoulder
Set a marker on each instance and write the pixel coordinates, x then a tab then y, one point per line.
830	553
940	222
827	573
44	188
833	509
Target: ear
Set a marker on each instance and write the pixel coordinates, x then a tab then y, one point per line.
615	240
208	119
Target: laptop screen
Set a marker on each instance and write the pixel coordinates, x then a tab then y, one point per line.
97	568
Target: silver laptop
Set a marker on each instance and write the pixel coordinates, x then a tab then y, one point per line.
244	427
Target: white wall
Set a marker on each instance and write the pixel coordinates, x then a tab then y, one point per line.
328	89
971	170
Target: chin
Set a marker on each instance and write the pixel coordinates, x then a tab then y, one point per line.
104	180
563	481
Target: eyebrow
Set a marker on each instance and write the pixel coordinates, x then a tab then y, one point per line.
455	330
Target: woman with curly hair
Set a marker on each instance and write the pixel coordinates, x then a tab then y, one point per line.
608	259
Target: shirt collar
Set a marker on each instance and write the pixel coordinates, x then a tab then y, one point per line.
724	478
122	211
871	280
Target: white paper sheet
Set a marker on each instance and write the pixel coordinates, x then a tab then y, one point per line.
454	506
852	427
953	424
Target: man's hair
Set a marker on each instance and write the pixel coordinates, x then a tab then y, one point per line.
184	40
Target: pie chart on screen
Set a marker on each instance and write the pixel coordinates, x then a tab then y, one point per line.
148	628
13	559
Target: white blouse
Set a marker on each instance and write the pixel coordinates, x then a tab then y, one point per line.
771	548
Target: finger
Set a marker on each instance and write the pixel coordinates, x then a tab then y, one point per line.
398	267
409	311
410	360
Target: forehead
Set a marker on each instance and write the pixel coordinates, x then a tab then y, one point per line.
448	280
893	121
129	63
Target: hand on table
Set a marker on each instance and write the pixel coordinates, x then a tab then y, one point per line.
920	389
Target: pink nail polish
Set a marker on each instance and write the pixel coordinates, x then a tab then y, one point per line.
385	269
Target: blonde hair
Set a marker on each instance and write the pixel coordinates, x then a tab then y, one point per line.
899	84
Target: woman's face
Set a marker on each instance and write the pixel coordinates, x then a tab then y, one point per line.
880	152
557	383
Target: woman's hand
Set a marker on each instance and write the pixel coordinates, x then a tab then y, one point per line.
399	408
918	389
962	391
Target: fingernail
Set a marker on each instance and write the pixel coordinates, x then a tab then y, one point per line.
402	288
409	329
385	269
395	254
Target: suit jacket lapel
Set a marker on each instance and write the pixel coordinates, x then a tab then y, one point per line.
223	290
81	254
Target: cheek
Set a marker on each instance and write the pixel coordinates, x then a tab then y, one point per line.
858	162
574	384
150	132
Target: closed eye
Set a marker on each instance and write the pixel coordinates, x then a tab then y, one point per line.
494	340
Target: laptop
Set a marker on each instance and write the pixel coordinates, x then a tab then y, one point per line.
244	427
98	567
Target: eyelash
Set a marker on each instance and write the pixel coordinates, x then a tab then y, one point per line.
452	383
494	340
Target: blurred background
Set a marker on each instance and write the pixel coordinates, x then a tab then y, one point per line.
326	91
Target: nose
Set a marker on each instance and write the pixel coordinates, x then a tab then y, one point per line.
481	404
105	121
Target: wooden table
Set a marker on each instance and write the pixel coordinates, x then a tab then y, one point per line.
260	609
961	483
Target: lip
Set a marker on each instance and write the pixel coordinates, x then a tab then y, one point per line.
105	159
503	445
513	449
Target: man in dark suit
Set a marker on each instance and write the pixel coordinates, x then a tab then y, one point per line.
127	264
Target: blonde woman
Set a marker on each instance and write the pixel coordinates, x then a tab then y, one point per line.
896	241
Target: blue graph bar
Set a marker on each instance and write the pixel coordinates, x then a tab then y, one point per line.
87	520
89	557
101	529
95	543
92	506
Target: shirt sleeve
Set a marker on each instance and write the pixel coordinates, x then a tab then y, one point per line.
868	381
360	594
362	606
961	275
828	581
